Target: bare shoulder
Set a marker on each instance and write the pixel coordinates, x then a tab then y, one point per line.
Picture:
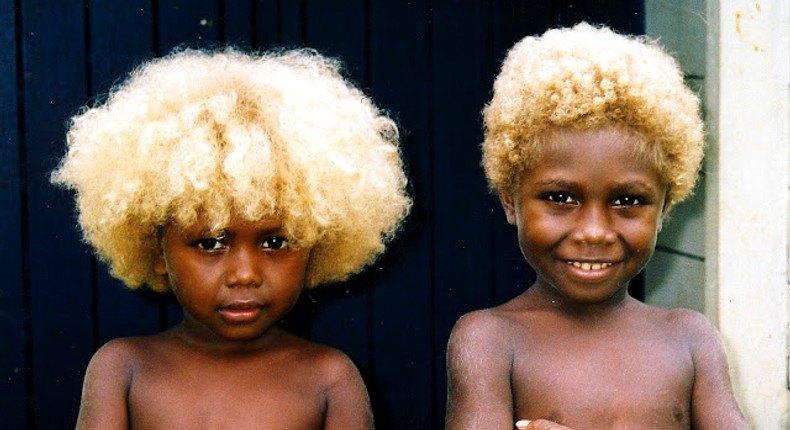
336	379
704	339
119	358
683	317
495	333
327	364
314	352
132	350
691	325
480	323
491	324
713	403
486	338
118	355
116	350
107	383
480	356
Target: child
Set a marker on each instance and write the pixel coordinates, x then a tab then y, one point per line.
234	181
591	138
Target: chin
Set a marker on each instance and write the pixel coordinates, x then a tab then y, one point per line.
591	297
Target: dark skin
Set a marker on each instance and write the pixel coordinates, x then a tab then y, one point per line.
227	365
575	351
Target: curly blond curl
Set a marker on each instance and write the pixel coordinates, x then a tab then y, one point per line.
589	77
215	135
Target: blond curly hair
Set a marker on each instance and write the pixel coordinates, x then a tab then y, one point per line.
200	135
588	77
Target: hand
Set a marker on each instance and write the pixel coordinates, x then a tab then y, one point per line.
539	425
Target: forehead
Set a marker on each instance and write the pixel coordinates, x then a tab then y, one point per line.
236	222
608	154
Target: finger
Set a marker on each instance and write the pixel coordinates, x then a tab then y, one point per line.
522	424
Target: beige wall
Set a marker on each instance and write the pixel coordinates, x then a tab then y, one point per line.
725	252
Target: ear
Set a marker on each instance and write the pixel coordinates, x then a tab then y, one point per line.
665	208
664	212
509	205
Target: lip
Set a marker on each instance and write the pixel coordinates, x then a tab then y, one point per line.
589	270
240	311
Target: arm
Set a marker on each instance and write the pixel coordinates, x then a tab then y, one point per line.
104	392
479	360
713	404
348	404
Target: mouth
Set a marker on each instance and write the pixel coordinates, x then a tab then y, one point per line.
240	311
241	305
588	266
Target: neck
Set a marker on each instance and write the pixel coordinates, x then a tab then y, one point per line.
200	339
561	304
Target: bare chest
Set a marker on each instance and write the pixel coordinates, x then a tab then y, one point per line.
619	384
222	396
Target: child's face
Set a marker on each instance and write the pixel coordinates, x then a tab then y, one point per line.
236	285
587	214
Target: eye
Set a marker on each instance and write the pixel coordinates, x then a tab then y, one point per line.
559	197
211	243
628	200
275	243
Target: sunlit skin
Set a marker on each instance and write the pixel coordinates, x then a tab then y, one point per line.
587	217
226	365
217	279
575	350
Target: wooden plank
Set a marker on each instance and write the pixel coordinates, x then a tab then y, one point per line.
60	268
266	31
623	15
121	37
402	308
192	23
292	16
13	369
338	29
237	23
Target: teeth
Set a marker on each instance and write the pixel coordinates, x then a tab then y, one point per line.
589	266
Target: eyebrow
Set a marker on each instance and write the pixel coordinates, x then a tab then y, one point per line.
623	186
191	231
556	183
637	185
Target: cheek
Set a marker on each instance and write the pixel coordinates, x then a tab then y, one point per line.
287	272
539	230
641	236
294	270
187	277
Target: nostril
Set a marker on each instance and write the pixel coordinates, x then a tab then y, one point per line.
242	270
234	282
594	227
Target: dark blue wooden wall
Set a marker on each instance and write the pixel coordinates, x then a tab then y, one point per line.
430	62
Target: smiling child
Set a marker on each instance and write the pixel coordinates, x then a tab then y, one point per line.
233	181
591	138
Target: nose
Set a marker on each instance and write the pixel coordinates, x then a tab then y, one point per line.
594	226
243	267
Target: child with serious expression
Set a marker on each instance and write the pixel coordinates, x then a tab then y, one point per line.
591	138
216	278
233	181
